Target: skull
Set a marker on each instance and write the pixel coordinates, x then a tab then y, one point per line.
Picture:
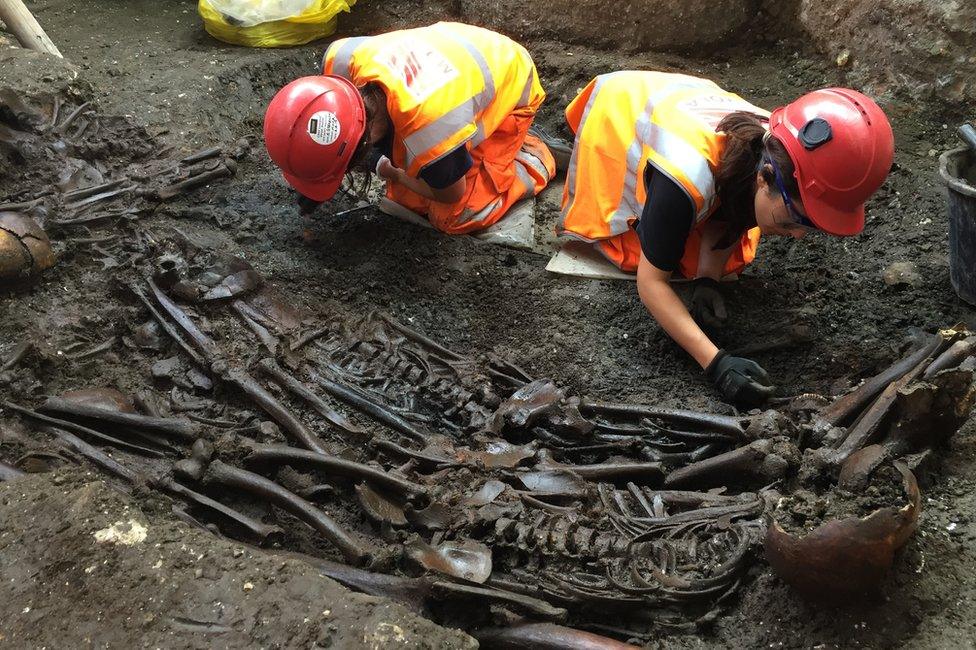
24	248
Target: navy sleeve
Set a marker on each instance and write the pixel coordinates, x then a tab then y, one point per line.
448	169
665	221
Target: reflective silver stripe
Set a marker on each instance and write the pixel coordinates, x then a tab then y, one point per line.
437	131
571	170
458	117
340	63
527	91
479	134
467	216
681	154
526	178
534	162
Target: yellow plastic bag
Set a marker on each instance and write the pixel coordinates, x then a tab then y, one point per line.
271	23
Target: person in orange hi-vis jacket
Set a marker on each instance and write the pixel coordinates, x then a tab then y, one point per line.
442	113
671	174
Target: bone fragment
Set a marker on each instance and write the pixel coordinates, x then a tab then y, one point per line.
227	168
19	353
267	339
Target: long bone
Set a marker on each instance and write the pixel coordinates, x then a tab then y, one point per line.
862	432
299	458
952	357
168	327
209	354
278	411
67	425
256	530
644	473
268	340
226	167
374	410
421	339
841	410
709	421
423	461
424	593
545	636
755	461
219	474
203	343
270	368
95	455
183	430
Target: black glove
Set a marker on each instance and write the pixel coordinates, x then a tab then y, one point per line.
307	205
741	381
708	305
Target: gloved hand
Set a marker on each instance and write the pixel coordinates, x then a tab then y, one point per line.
741	381
386	170
306	205
708	305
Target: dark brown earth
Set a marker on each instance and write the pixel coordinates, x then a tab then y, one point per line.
156	65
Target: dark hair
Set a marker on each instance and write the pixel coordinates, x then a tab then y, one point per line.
359	167
735	181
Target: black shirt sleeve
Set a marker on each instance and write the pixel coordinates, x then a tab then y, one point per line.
665	222
448	169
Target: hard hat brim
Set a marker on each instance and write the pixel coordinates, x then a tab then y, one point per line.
833	220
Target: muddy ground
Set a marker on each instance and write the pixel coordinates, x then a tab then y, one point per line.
154	63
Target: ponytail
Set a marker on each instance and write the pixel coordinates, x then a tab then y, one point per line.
748	146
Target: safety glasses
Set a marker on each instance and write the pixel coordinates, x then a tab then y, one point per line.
795	216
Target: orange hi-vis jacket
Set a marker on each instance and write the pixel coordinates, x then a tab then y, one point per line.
626	120
446	85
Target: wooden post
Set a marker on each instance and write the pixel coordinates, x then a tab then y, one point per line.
22	24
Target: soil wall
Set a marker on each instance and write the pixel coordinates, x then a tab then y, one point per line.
914	48
661	25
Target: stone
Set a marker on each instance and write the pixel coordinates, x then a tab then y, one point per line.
902	274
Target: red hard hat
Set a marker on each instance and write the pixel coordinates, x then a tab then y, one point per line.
311	129
842	148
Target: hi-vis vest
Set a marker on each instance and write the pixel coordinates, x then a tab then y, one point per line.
446	85
625	120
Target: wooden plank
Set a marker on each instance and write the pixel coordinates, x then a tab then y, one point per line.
22	24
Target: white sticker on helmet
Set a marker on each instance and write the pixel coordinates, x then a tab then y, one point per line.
324	127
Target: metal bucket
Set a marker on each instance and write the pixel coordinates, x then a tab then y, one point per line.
958	170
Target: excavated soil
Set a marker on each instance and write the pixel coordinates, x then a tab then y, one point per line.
155	67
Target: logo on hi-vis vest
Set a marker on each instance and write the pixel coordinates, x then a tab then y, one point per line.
422	69
323	127
710	109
